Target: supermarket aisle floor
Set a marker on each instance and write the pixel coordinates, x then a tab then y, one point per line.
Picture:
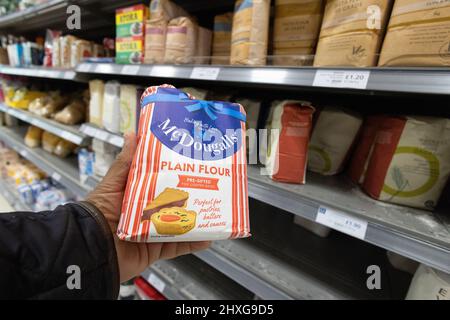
4	205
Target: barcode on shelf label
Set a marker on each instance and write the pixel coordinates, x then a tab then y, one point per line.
341	79
156	282
342	222
56	176
130	69
205	73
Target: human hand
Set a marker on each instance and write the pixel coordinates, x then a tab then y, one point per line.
133	257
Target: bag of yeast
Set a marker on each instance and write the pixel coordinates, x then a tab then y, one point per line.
418	34
352	32
188	179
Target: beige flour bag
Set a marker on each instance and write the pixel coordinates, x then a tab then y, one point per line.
155	40
418	34
296	29
165	10
333	135
203	52
249	38
96	90
429	284
351	32
221	46
181	41
410	161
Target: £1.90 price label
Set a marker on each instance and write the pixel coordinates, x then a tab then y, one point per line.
205	73
342	222
341	79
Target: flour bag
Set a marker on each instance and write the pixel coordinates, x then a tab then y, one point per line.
410	161
188	179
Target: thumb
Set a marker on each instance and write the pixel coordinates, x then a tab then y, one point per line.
118	173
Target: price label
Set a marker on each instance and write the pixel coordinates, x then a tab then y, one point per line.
70	136
56	176
205	73
89	131
342	222
341	79
101	135
84	67
156	282
130	69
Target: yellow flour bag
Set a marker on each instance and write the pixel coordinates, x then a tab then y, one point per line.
188	179
221	46
296	29
352	32
418	34
249	38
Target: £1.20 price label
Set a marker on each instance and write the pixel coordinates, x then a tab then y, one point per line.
341	79
342	222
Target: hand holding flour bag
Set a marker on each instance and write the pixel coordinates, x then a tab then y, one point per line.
188	179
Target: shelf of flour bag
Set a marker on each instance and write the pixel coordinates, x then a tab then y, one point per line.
96	132
417	234
189	278
64	171
42	72
402	80
12	197
69	133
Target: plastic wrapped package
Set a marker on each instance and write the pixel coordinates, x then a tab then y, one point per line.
48	105
410	161
49	199
80	49
97	91
221	44
33	137
418	34
23	97
181	41
111	106
86	161
73	113
64	148
56	54
351	34
335	131
313	227
51	38
49	141
296	29
155	40
129	108
204	40
250	32
105	154
429	284
65	43
288	150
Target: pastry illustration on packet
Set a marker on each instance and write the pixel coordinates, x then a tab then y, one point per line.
188	179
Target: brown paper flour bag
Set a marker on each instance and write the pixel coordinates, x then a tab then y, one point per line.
351	32
181	41
249	37
418	34
296	29
155	40
221	46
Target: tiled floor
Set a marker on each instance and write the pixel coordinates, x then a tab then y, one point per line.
4	205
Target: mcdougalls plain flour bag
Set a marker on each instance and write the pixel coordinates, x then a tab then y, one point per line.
418	34
188	179
410	161
352	32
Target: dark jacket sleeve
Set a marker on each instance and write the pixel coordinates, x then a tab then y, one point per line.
41	254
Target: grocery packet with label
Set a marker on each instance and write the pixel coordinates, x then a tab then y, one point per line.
188	179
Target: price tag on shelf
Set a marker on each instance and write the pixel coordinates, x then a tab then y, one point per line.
89	131
205	73
84	67
56	176
156	282
117	141
342	222
341	79
70	137
101	135
130	69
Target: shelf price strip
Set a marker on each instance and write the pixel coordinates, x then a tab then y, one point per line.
342	222
341	79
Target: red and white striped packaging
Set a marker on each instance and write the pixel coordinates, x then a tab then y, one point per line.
188	179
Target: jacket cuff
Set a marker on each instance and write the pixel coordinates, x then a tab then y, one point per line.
108	235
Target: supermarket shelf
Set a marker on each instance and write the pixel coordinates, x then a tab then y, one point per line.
94	131
413	233
65	171
12	197
42	72
187	278
405	80
70	133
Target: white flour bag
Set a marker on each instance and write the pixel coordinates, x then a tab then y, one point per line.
429	284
